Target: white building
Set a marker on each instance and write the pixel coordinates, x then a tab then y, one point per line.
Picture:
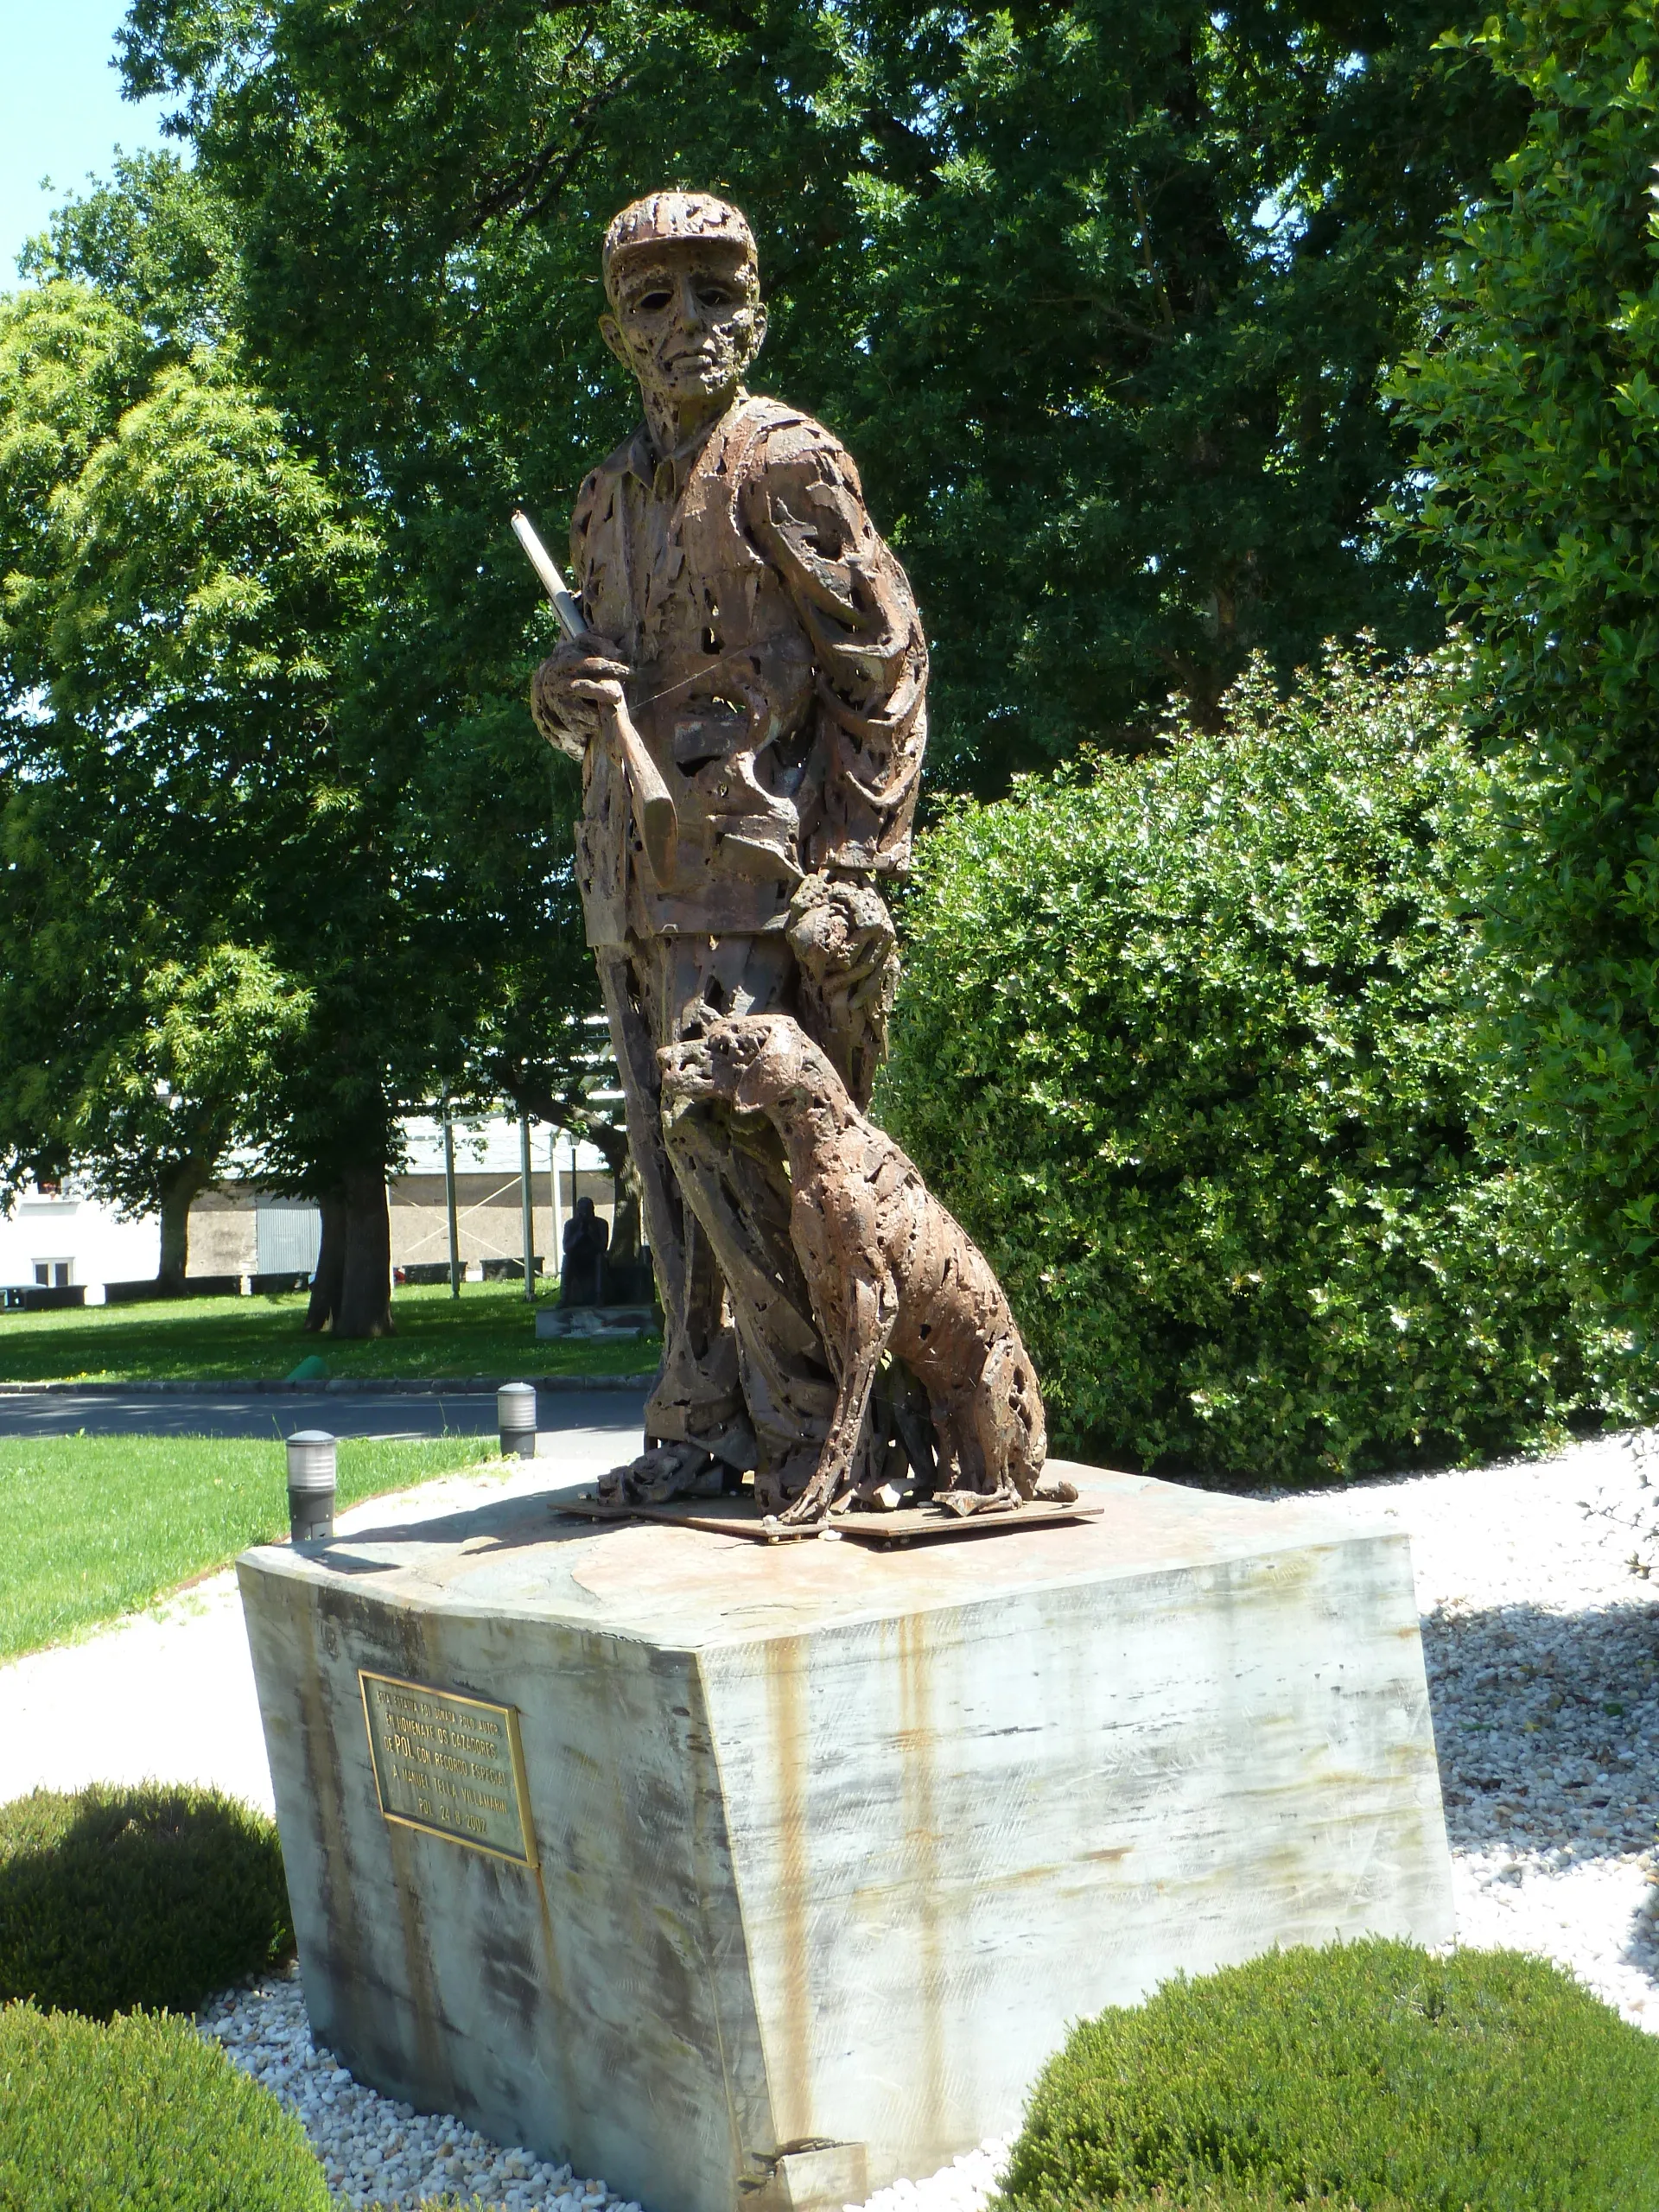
57	1237
68	1238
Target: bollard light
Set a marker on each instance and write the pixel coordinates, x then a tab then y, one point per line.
515	1417
311	1483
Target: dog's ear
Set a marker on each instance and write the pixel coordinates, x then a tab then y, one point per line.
750	1092
715	1057
775	1053
755	1089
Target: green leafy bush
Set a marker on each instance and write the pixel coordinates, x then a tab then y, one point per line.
1369	2076
112	1898
140	2115
1538	403
1190	1045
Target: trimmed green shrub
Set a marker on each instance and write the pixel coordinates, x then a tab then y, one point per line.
1189	1044
139	2114
1367	2075
112	1898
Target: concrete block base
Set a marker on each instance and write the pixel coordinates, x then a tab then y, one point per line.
821	1847
606	1323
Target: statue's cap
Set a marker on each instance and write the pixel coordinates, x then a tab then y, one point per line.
674	218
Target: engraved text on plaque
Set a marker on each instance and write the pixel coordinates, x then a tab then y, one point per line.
449	1764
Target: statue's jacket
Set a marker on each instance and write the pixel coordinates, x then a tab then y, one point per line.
779	675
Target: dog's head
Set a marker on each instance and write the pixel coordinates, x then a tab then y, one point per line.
753	1061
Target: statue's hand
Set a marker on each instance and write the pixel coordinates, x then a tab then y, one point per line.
572	688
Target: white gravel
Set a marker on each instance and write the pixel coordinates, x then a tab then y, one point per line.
376	2152
1542	1648
381	2154
962	2186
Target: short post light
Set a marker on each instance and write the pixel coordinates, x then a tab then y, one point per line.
515	1417
312	1479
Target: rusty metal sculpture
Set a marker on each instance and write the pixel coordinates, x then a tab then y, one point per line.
746	695
887	1269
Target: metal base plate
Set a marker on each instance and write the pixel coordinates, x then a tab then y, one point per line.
739	1516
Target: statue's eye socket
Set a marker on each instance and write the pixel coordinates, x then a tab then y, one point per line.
716	296
653	303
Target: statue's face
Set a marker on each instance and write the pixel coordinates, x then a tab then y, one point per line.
688	321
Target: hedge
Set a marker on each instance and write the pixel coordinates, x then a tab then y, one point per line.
112	1898
139	2114
1371	2077
1192	1045
1538	399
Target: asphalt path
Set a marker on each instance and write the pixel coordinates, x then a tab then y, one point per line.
248	1413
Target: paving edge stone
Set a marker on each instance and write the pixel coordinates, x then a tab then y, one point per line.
450	1386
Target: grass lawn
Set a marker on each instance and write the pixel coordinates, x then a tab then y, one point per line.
100	1525
487	1331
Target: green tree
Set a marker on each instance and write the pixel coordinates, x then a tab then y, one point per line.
181	587
1139	314
158	243
396	836
121	1060
165	1103
1101	292
1538	401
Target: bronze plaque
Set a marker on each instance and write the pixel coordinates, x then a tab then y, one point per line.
449	1764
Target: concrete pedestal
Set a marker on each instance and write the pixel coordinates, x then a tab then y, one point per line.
830	1844
606	1322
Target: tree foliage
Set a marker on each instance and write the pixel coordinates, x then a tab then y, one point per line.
180	587
1189	1043
1100	293
166	1101
221	734
1538	400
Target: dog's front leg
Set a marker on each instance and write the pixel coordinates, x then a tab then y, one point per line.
872	1310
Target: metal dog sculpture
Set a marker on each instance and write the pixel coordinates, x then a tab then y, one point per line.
885	1269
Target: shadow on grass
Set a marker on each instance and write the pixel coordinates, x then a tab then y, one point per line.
489	1331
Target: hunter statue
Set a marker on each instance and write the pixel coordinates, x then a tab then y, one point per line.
747	700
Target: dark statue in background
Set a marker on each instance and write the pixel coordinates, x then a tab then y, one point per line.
582	1273
768	651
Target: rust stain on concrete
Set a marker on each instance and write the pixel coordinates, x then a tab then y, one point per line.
558	2002
919	1782
324	1774
431	2042
785	1664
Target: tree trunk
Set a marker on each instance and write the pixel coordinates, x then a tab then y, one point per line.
624	1228
365	1307
178	1186
330	1274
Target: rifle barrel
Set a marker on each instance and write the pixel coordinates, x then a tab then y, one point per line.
547	568
653	805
